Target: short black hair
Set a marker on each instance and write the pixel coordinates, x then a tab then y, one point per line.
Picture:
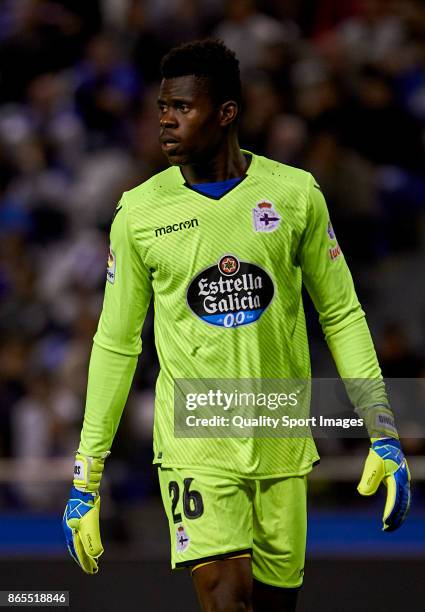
207	59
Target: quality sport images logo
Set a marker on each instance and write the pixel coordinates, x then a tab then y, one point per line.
230	293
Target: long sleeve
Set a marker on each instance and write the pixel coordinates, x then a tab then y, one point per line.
328	280
117	342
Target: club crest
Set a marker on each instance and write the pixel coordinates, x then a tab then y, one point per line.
182	539
265	217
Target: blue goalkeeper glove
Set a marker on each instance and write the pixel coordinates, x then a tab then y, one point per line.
386	463
81	517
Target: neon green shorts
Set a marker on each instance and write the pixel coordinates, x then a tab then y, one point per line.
215	516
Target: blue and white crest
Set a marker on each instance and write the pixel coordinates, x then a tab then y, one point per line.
182	539
265	217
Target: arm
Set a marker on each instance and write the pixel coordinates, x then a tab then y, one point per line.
113	361
330	285
117	342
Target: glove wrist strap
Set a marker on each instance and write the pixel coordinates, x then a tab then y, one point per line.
88	472
380	423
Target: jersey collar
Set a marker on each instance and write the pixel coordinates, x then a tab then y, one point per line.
248	172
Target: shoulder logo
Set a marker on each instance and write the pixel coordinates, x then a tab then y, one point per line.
335	252
335	249
112	264
265	217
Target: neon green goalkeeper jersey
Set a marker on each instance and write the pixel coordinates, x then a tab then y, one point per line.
225	275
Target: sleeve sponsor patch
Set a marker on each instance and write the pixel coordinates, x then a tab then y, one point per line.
335	252
331	232
335	249
112	263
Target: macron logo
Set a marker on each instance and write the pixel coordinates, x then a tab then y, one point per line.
176	227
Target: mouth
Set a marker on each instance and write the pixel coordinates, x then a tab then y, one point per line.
168	143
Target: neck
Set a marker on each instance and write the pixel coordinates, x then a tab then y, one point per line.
226	163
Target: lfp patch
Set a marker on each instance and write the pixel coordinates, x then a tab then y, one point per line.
230	293
112	263
182	539
265	217
335	249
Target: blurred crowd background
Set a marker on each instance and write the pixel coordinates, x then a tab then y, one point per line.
336	88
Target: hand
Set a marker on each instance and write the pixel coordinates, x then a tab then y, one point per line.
81	517
81	528
387	463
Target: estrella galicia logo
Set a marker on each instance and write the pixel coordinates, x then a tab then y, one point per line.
230	293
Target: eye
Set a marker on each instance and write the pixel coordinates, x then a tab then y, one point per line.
182	107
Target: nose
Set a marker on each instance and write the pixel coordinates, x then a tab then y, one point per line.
168	118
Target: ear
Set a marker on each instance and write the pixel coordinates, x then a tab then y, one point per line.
228	113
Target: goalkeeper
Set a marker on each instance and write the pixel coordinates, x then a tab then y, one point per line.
223	240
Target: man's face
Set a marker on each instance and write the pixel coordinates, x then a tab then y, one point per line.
189	123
